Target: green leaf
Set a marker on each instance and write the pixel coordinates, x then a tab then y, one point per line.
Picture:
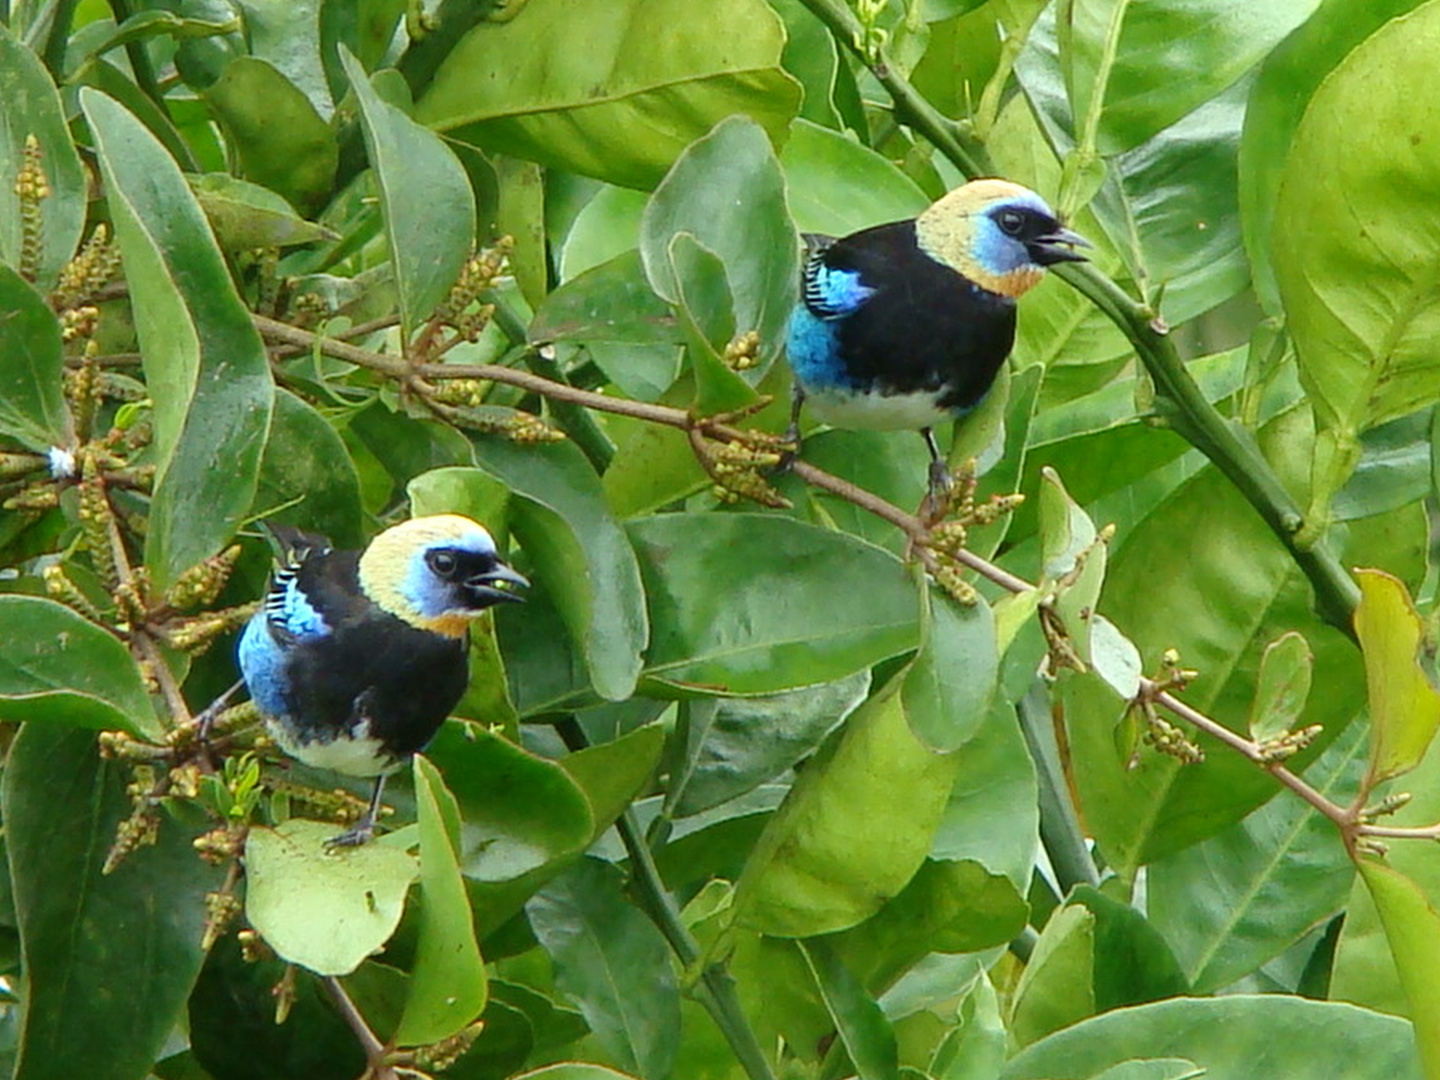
30	105
727	192
280	140
1361	297
58	667
1412	926
428	206
520	812
749	604
842	843
1282	686
992	814
1238	900
448	984
246	215
1056	989
950	907
572	1070
611	774
608	302
732	745
32	399
580	554
975	1049
837	186
1147	65
205	367
1404	705
108	959
1288	79
949	685
705	312
1074	555
593	89
612	962
1153	1069
306	459
1236	1037
867	1035
323	908
1132	964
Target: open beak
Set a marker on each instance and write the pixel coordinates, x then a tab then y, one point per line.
1058	246
498	584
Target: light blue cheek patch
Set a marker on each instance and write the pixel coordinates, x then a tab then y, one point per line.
994	251
427	595
831	294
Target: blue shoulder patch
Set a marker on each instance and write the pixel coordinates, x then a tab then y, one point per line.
812	345
831	293
262	664
289	610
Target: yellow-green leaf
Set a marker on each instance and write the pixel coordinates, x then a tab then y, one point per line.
1404	706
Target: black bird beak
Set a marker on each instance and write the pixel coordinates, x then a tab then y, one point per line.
496	585
1057	247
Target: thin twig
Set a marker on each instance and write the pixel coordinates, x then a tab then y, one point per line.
374	1049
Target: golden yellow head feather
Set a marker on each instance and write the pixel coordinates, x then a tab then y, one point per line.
394	576
950	232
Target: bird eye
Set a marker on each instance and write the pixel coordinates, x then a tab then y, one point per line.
1011	222
442	562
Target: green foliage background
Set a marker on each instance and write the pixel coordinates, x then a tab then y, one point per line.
858	828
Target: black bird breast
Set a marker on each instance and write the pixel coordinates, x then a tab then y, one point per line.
926	327
372	664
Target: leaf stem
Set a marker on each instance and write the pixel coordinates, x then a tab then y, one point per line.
718	994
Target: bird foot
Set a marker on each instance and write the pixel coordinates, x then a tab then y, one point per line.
938	495
360	834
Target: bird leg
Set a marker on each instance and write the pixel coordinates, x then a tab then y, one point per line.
364	829
937	492
791	438
205	722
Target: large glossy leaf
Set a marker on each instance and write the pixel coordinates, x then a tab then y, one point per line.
992	815
280	140
1287	79
837	186
1231	1038
1238	900
843	843
580	554
519	811
98	1002
753	604
448	984
727	192
30	105
1146	63
205	367
950	907
732	745
612	962
592	88
61	668
32	401
324	909
1361	296
424	192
